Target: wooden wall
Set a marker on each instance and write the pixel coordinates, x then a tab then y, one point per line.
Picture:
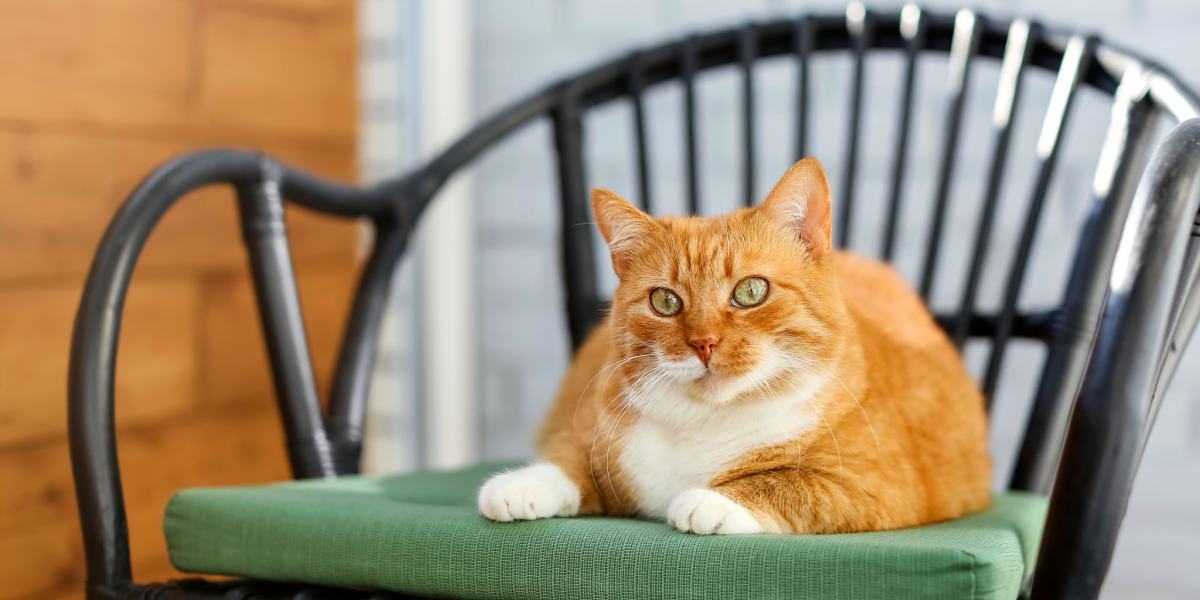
95	94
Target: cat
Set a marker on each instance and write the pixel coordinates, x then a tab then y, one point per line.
750	379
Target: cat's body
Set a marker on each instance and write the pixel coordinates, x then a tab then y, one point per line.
832	403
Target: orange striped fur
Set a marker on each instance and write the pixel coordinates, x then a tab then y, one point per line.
834	405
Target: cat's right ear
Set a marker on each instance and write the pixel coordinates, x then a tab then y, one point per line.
801	200
622	224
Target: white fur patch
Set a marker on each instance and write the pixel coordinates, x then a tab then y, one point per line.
680	443
538	491
705	511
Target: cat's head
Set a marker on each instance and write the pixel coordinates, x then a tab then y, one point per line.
725	309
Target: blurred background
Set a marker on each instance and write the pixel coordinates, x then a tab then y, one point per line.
98	92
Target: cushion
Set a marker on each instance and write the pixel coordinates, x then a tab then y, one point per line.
421	534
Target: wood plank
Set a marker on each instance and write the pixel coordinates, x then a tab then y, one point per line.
61	190
293	9
46	558
39	532
88	63
97	94
157	374
267	71
178	69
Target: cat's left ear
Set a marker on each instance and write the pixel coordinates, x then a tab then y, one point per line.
622	224
801	200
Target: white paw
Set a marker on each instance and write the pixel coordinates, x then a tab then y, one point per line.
538	491
705	511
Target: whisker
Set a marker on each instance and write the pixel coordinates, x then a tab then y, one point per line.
641	389
832	375
608	367
836	445
602	422
612	430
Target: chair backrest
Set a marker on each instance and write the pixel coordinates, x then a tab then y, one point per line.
328	444
972	42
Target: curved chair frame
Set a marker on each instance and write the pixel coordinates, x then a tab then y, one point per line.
1107	362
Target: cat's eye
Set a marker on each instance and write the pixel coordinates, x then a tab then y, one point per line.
749	292
665	302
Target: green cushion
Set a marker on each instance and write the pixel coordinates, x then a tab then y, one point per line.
421	534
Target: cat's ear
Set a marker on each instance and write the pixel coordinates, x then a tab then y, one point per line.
801	200
621	223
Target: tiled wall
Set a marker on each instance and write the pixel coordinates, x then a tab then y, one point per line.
523	45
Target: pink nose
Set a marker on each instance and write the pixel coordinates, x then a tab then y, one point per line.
704	347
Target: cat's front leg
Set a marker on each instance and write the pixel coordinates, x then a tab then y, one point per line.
538	491
813	501
707	511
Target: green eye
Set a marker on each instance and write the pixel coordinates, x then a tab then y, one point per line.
665	302
750	291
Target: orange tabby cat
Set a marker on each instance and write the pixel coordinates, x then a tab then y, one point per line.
749	379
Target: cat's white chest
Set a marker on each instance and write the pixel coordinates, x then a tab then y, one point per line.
663	458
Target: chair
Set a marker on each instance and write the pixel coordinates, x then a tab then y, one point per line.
1111	343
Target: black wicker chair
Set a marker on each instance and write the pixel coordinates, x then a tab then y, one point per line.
1112	342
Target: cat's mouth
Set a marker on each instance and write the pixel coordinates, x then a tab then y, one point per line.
707	381
691	370
717	382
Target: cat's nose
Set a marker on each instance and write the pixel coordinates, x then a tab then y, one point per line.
704	347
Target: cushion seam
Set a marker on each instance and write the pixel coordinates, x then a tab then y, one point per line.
974	574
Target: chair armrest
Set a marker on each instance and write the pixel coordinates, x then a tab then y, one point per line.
1151	304
93	355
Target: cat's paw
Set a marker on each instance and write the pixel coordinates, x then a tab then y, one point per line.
705	511
538	491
